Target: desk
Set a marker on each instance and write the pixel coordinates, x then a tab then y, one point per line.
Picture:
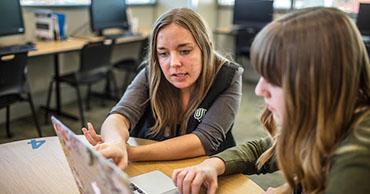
225	31
45	169
73	44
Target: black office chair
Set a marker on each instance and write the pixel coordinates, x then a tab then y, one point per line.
131	66
94	66
14	86
243	41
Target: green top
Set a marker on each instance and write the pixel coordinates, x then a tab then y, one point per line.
349	171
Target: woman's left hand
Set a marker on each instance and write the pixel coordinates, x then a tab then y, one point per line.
190	179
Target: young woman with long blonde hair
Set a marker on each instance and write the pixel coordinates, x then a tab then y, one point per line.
186	97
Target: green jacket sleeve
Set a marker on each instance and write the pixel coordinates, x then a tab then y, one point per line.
243	158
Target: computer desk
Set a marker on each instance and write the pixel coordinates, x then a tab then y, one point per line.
55	48
44	169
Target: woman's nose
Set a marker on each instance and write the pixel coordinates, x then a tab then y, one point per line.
175	60
261	88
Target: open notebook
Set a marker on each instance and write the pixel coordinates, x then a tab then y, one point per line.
95	174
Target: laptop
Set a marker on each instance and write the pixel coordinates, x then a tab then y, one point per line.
95	174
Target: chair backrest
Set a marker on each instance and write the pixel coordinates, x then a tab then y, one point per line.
244	39
95	56
143	49
13	74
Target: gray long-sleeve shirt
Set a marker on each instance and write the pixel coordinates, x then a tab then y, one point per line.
214	125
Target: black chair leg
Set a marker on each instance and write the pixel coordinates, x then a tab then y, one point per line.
34	114
107	86
106	93
48	102
125	83
114	83
80	105
8	133
88	97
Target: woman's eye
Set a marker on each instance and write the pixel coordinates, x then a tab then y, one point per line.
162	54
185	51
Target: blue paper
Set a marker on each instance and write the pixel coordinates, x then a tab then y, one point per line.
61	24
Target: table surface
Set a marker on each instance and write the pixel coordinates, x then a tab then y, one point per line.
41	167
72	44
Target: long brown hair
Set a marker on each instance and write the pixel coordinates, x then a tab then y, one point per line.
318	58
164	97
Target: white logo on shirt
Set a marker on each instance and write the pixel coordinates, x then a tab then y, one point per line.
199	113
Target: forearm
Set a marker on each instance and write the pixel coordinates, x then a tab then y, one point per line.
115	129
243	158
185	146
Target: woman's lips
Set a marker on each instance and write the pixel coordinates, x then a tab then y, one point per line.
180	76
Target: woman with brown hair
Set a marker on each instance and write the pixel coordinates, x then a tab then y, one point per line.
315	80
186	97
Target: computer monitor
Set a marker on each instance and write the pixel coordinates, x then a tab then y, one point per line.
363	19
11	20
253	13
108	14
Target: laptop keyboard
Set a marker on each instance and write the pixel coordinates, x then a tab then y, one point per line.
135	189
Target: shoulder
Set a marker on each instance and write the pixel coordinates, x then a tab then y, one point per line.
350	166
140	81
143	75
230	70
349	172
359	133
232	66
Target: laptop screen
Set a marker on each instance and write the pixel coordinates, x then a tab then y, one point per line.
92	172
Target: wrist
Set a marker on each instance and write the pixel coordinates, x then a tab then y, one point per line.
133	153
115	140
216	163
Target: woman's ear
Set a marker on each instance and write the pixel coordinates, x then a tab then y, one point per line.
211	43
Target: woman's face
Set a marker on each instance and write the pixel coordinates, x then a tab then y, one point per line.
179	56
274	99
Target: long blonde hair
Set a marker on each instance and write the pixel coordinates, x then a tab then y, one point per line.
164	97
318	58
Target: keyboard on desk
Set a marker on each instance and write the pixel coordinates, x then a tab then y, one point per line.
124	35
16	48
